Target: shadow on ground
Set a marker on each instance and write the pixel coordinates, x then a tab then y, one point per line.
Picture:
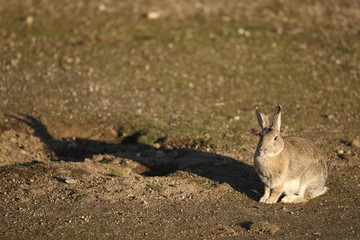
157	162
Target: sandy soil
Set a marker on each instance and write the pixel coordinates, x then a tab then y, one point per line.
136	119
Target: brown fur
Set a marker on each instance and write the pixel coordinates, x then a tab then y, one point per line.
290	165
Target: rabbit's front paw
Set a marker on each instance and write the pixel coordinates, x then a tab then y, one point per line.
263	199
271	200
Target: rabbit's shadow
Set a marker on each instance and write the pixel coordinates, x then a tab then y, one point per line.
160	162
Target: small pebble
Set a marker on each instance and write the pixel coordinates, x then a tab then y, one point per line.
70	180
156	145
355	143
330	116
102	7
243	32
29	20
152	15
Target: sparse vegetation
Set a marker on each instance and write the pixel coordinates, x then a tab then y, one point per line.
116	173
4	152
149	106
158	188
263	227
79	194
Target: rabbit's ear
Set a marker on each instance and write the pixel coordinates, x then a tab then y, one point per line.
262	119
277	118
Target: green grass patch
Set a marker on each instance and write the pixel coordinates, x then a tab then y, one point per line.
158	188
79	194
3	152
263	227
149	139
116	173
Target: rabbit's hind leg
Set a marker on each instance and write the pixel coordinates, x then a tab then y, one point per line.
296	198
317	191
316	188
293	199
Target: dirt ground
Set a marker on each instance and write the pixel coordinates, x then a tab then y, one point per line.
136	119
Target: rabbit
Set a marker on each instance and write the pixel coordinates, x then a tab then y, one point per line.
289	166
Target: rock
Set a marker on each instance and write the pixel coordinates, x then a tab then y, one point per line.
243	32
70	180
131	196
340	151
29	20
355	143
330	116
156	145
102	7
152	15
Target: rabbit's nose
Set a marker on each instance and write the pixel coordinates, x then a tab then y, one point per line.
263	150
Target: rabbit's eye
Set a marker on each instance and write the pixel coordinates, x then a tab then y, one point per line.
275	138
